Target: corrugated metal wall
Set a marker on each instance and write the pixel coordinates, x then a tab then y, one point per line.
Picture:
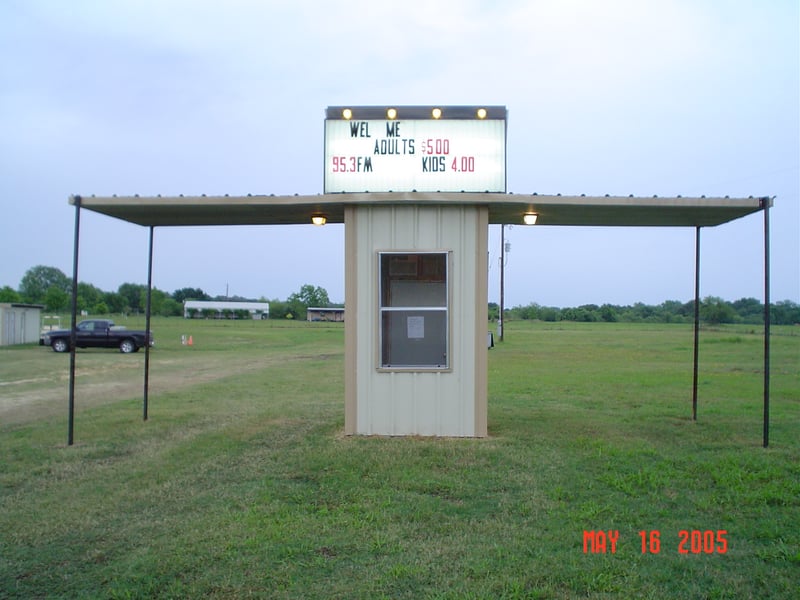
19	325
432	403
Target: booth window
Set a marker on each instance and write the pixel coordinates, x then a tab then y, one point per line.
414	306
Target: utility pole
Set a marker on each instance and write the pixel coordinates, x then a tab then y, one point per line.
502	269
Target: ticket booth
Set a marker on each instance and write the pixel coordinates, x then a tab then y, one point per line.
416	262
416	298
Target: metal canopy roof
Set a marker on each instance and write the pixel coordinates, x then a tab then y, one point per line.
503	208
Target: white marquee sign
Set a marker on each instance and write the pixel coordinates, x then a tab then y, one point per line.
409	149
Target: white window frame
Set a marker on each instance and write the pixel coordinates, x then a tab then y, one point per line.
418	325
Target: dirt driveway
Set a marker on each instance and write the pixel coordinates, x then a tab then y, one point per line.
34	382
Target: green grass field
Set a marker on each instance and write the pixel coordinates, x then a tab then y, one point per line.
241	483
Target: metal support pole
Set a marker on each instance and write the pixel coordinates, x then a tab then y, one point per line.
696	320
765	202
147	326
501	324
73	335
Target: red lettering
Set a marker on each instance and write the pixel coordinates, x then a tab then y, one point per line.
722	541
596	542
464	164
613	536
702	542
436	146
588	540
651	540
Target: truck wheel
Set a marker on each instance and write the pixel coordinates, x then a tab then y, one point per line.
60	345
127	346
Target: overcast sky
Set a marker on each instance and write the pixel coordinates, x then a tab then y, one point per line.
666	97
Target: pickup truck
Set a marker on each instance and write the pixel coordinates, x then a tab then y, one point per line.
97	333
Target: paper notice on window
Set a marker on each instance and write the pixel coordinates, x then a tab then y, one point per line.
416	327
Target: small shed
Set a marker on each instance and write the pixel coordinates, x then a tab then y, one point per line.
256	310
20	323
334	314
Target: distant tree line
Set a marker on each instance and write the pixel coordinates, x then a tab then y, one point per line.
713	311
52	288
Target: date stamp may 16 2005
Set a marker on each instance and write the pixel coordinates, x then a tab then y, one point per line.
689	541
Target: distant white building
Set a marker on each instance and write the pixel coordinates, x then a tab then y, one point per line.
198	309
19	323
